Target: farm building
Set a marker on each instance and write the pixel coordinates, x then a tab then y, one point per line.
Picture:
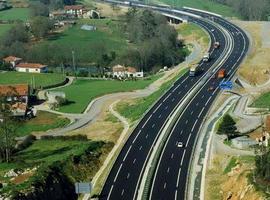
17	97
32	68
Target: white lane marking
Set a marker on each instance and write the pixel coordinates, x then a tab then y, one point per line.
201	112
122	193
184	80
183	157
134	161
191	112
167	97
146	136
136	136
175	195
147	121
208	100
166	107
202	96
168	170
176	88
194	125
179	92
178	177
127	153
140	148
172	156
117	172
164	186
197	104
159	116
173	99
181	132
110	193
157	107
215	91
185	86
153	125
128	175
186	121
188	140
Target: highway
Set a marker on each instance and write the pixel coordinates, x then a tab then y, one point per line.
171	175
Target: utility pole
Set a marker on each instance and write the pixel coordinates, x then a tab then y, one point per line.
73	63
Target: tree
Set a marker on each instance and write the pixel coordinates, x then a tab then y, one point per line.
7	130
227	126
40	26
39	9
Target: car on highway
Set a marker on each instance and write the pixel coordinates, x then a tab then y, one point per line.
180	144
216	45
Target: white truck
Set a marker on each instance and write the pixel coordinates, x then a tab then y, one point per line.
193	70
206	57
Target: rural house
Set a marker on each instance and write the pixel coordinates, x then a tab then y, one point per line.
17	96
119	71
12	60
75	10
32	68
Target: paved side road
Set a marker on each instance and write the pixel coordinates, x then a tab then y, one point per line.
95	107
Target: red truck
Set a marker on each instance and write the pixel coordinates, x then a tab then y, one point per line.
221	73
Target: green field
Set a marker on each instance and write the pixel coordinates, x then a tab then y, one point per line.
136	110
45	151
4	28
263	101
202	4
109	36
44	121
82	92
195	30
15	14
40	80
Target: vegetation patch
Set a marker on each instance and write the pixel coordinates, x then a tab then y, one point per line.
263	101
57	159
135	110
4	28
14	14
82	92
44	121
34	79
207	5
231	164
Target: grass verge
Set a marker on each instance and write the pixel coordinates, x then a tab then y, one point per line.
44	121
263	101
15	14
82	92
133	111
40	80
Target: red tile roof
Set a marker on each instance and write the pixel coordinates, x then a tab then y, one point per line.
16	90
31	65
74	7
11	59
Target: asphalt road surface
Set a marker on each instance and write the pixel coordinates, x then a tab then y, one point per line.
171	174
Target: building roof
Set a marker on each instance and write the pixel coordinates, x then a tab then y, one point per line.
12	59
131	69
118	68
31	65
74	7
17	89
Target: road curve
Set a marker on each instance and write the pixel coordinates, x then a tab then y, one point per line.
126	173
171	176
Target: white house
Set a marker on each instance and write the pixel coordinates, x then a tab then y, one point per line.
32	68
126	72
12	60
75	10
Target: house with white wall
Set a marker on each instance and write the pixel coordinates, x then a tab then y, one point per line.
119	71
31	68
12	60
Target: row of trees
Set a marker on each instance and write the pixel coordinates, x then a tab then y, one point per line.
156	41
250	9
